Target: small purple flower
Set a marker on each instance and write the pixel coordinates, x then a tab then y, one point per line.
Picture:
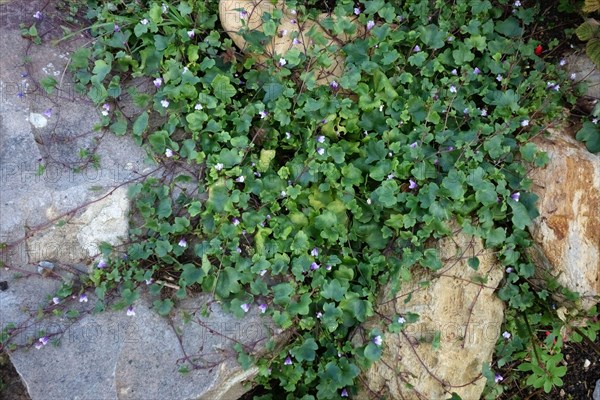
450	148
245	307
319	315
263	114
219	166
454	72
149	281
328	267
235	221
370	25
476	71
401	320
130	311
263	308
44	340
562	62
295	41
191	34
117	28
262	272
452	89
499	78
37	15
314	266
506	335
164	103
334	85
288	361
182	243
102	264
83	298
515	196
466	111
344	393
509	270
20	94
498	378
573	76
282	62
391	176
144	21
417	49
412	184
324	121
157	82
314	252
356	11
238	250
243	14
378	340
240	179
169	153
413	145
484	113
293	21
321	151
55	300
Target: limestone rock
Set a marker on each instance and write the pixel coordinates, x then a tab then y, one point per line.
466	314
567	231
233	20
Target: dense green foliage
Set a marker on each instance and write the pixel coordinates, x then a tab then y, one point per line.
304	200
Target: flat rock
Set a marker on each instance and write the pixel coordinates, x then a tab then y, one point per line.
57	208
464	313
567	232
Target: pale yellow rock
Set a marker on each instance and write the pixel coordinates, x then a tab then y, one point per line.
567	231
467	315
290	27
79	238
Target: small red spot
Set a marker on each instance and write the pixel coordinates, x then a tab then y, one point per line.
538	50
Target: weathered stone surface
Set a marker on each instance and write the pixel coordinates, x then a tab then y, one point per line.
580	64
454	303
289	28
568	229
109	355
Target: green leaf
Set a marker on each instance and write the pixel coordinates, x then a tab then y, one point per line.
272	91
432	36
192	274
520	217
163	307
223	89
333	290
307	351
119	127
473	262
101	69
372	352
227	282
509	27
282	293
48	84
590	135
